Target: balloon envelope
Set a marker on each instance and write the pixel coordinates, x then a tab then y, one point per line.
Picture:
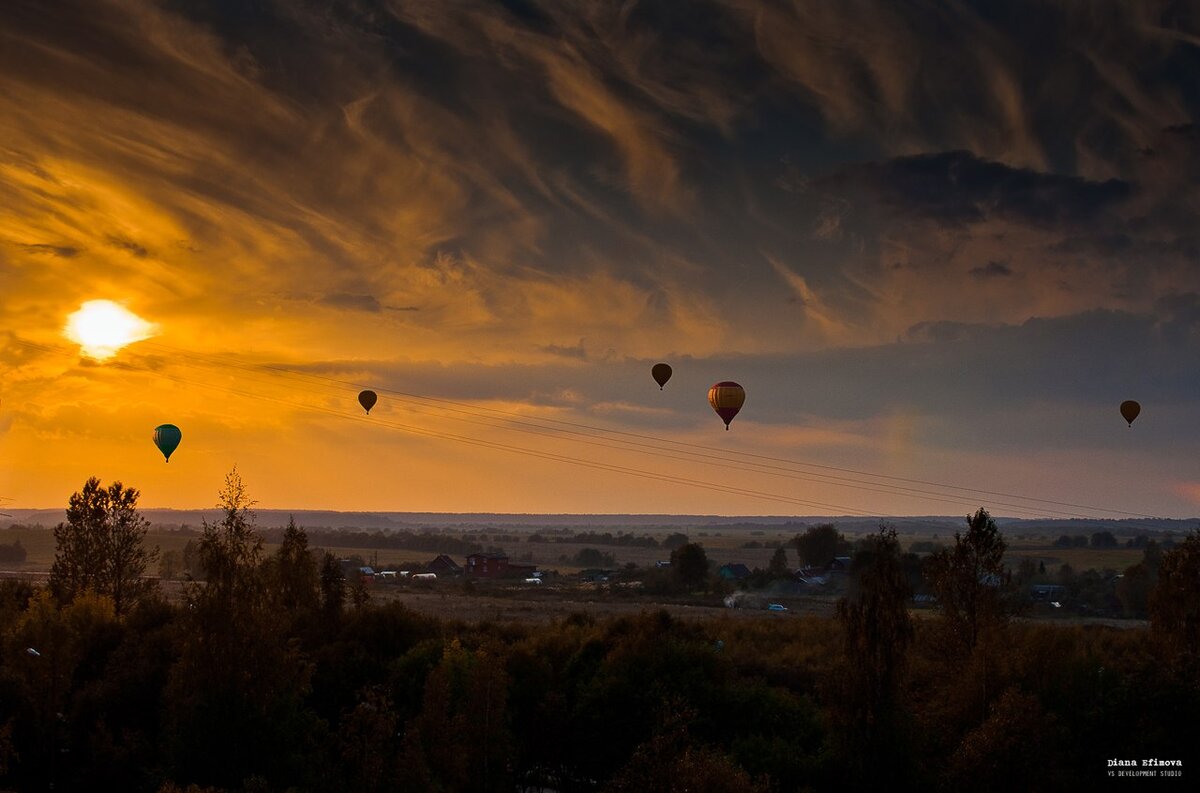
727	398
661	374
367	399
167	438
1130	410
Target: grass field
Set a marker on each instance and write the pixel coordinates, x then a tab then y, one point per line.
721	546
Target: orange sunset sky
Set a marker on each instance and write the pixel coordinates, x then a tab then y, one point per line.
942	243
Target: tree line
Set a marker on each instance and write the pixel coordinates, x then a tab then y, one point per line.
273	674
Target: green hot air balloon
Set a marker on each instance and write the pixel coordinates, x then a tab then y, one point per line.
661	374
166	438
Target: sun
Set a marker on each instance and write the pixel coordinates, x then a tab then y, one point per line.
101	327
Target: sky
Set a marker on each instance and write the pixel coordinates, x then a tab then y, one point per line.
938	241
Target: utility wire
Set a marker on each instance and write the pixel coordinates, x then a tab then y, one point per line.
597	436
523	419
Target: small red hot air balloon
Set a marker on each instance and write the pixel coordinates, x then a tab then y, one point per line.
367	399
727	398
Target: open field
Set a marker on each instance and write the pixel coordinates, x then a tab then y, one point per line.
1080	559
545	607
721	544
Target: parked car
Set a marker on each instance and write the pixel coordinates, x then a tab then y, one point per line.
777	607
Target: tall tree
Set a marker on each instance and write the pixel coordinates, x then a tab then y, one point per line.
878	632
778	566
819	544
236	690
1175	601
333	586
969	579
689	565
100	547
296	583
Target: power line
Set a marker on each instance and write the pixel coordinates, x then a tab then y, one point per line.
522	419
646	449
578	432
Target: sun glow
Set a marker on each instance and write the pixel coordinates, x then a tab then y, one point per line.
101	327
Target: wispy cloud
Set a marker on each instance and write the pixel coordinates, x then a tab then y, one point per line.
514	202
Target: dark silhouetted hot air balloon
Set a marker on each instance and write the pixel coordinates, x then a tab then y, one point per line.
1130	410
661	374
727	398
167	438
367	399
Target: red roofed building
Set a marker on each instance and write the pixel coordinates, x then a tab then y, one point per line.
487	565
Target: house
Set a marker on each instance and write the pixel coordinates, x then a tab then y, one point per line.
1047	592
662	564
838	564
444	565
810	577
734	571
352	570
522	571
487	565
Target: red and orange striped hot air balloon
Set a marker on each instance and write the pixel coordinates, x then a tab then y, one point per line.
727	398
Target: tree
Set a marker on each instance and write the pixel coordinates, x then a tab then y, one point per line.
1104	539
593	557
878	632
778	566
819	544
296	583
100	547
13	553
230	555
968	579
1139	581
236	691
1175	601
333	586
689	565
675	540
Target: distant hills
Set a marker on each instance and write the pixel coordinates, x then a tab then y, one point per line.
476	520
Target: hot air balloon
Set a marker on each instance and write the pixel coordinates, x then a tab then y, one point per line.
166	438
726	398
367	399
1130	410
661	374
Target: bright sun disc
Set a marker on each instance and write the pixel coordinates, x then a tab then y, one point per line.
101	327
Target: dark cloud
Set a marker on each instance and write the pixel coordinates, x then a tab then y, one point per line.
352	302
957	371
992	270
939	331
1177	317
958	188
576	351
60	251
1108	244
129	246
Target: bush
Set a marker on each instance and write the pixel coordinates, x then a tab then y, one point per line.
12	554
591	557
